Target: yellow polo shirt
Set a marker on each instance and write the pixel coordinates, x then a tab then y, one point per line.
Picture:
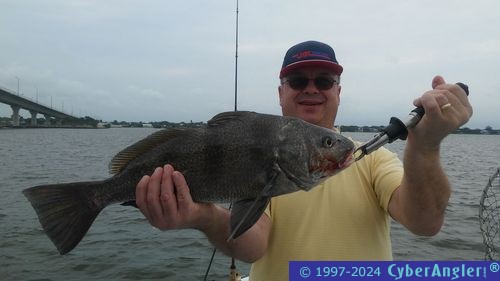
344	218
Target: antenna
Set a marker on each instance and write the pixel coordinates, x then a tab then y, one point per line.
236	63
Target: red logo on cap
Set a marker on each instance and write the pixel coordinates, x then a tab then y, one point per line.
306	54
302	55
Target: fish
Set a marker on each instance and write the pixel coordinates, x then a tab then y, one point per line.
238	157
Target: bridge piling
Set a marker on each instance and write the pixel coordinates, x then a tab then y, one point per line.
15	115
33	117
47	120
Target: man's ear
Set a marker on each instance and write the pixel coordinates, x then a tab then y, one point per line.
280	94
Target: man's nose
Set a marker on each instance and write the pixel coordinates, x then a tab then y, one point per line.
311	87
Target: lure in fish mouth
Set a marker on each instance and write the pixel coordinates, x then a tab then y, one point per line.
332	156
328	166
244	158
336	166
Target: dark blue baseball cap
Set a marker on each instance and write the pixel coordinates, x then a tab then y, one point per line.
310	53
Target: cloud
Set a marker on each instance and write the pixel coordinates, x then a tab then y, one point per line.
174	60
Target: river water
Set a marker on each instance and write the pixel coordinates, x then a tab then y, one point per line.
121	245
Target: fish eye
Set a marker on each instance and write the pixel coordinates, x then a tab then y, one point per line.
328	142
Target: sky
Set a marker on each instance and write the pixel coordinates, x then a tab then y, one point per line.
174	60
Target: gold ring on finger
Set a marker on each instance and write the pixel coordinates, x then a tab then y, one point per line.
445	107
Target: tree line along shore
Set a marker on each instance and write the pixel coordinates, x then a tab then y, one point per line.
88	122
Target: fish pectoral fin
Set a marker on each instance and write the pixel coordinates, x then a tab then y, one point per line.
245	213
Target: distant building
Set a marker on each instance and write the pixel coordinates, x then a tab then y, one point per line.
102	125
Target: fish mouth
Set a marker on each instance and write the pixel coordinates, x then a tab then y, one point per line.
332	166
348	160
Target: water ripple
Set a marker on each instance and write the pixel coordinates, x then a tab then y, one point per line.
121	245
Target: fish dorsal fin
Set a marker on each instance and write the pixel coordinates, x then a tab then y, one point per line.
229	116
121	160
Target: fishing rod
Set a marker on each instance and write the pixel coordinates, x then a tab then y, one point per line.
236	62
233	275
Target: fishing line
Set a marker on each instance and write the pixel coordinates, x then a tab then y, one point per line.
210	264
233	266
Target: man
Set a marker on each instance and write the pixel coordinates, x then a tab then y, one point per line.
347	216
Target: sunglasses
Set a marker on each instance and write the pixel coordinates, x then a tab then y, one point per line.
322	83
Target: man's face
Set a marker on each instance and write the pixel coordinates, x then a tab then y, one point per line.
317	106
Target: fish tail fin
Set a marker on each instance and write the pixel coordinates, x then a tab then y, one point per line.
65	211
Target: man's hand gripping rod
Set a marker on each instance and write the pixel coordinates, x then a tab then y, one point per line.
396	129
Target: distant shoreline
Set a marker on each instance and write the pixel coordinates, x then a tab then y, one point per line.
464	131
91	123
41	127
162	125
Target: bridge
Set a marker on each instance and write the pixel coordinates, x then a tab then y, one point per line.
17	102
